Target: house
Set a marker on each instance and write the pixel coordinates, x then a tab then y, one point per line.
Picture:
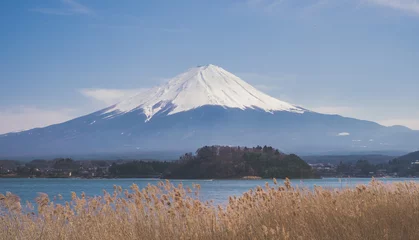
415	162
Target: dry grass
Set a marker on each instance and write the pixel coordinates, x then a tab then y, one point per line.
376	211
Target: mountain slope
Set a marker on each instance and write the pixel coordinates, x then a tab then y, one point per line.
205	106
407	159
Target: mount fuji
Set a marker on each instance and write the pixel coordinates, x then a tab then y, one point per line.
206	105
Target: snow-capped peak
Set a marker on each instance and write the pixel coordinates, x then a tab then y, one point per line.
200	86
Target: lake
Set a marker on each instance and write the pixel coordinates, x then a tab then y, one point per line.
218	190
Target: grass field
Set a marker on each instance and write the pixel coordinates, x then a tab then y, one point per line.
164	211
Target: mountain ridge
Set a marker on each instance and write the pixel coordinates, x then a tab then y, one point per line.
186	114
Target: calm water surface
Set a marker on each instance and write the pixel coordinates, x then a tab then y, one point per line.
218	190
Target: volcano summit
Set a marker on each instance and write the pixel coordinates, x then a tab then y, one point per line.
202	86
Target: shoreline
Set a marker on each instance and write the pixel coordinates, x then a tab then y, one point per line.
199	179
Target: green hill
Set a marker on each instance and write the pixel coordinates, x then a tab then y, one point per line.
221	162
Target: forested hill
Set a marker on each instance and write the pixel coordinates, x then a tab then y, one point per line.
405	166
406	159
221	162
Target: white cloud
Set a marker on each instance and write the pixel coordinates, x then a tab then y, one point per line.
343	134
26	117
110	96
411	6
19	118
69	7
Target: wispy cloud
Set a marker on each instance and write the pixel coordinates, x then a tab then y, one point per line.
19	118
343	134
274	6
110	96
16	118
318	6
77	7
266	5
410	6
68	7
309	7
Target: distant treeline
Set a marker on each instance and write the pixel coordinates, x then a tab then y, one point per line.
213	162
347	159
209	162
221	162
404	166
136	169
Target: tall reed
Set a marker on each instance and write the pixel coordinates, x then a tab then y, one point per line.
165	211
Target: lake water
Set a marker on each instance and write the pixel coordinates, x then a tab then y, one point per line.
218	190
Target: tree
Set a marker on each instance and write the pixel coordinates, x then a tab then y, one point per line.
365	167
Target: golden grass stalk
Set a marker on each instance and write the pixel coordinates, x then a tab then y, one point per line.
165	211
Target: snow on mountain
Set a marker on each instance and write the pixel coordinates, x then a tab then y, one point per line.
200	86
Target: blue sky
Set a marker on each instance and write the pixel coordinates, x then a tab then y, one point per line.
64	58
